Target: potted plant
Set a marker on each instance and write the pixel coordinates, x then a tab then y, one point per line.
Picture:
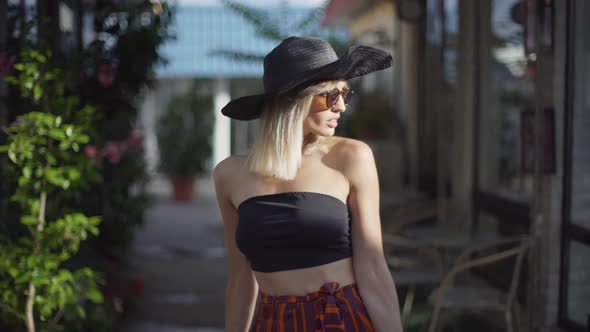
184	134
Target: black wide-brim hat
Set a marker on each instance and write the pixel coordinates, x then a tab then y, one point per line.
298	61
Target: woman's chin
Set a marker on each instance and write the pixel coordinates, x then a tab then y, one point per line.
323	131
326	132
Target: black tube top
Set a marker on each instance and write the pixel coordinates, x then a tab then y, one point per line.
292	230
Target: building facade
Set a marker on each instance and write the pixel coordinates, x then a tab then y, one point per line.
496	109
509	87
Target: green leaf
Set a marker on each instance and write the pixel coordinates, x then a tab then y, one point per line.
12	156
23	181
28	220
73	174
3	148
54	176
36	55
27	172
65	275
94	295
83	139
13	272
22	278
57	134
32	261
51	158
50	264
37	92
64	145
11	80
48	76
81	312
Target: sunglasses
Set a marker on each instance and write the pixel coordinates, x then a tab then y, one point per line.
332	96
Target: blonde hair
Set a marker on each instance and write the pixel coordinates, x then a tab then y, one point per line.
278	149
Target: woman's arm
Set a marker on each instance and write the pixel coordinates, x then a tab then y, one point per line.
240	299
242	289
372	275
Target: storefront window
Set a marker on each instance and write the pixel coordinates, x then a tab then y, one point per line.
430	107
581	122
442	29
451	29
575	299
507	92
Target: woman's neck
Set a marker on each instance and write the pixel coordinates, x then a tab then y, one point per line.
307	139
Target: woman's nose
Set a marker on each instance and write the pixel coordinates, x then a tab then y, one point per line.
340	106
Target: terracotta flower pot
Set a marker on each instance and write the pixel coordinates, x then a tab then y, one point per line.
184	189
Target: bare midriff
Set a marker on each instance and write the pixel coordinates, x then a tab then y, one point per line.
306	280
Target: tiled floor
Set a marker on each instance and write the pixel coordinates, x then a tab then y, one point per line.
180	255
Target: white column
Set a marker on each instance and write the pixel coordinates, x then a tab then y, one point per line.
222	131
148	114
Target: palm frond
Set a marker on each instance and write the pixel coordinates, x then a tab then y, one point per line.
258	18
238	56
313	16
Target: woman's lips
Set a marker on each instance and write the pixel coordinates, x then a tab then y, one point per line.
332	123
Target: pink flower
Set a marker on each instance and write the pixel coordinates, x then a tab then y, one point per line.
6	64
135	140
113	152
106	74
90	151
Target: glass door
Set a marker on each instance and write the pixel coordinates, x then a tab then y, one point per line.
574	304
503	186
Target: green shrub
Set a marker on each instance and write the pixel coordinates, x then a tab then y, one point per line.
44	146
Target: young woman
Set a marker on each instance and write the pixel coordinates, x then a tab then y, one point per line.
301	208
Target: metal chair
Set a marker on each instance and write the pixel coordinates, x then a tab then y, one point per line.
399	217
481	298
411	264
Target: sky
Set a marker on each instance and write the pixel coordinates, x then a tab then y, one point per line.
301	3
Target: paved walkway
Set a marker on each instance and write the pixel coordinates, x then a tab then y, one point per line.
179	253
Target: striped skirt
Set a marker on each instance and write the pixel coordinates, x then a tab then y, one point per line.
328	309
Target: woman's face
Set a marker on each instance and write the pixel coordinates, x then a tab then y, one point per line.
322	120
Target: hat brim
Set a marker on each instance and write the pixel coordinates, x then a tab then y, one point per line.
358	61
245	108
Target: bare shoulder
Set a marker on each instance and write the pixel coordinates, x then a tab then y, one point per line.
355	160
351	151
226	170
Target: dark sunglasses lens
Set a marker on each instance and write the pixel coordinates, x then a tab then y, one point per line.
346	94
332	97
